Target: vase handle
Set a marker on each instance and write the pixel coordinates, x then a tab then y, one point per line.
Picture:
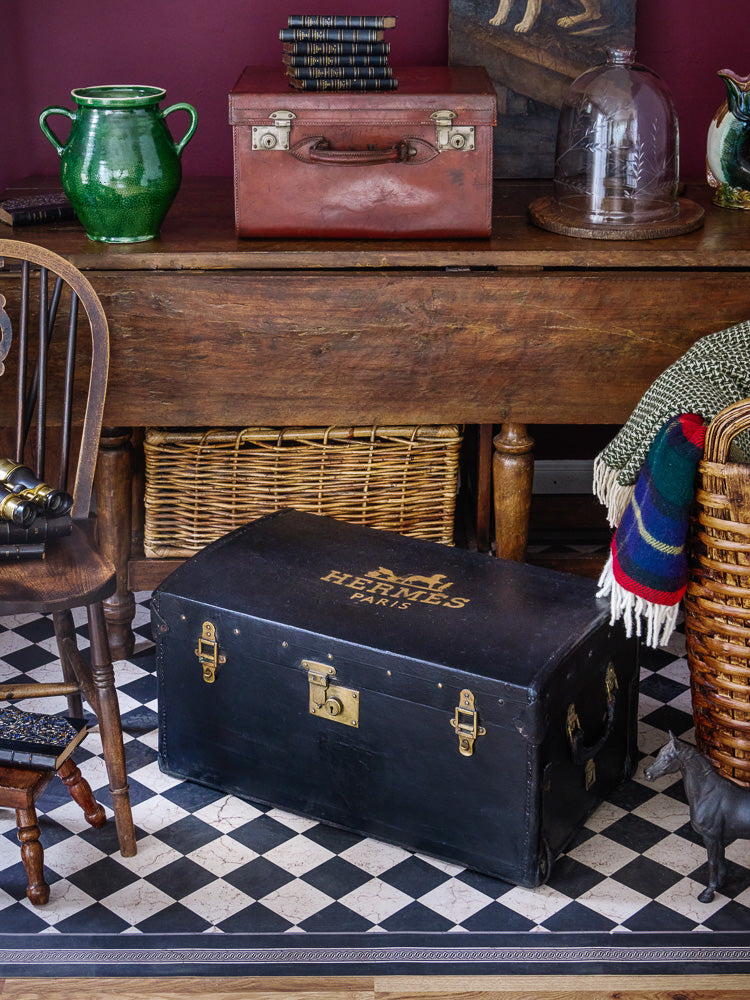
179	146
59	146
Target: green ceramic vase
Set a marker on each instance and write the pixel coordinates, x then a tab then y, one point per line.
120	166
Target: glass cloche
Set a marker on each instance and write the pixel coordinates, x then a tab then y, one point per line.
617	157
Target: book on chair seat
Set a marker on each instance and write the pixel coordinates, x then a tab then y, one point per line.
33	739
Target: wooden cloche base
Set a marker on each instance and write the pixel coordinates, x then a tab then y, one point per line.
546	213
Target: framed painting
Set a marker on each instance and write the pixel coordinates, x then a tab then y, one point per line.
533	50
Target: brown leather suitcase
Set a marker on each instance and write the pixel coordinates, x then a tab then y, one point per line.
415	162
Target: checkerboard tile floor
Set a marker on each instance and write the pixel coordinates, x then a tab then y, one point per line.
208	862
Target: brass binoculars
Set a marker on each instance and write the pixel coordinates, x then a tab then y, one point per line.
23	495
17	508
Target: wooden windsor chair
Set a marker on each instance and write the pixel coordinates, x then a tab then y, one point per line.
53	384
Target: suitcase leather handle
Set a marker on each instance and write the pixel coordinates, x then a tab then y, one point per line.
317	149
579	751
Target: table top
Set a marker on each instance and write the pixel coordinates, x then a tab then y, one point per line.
198	233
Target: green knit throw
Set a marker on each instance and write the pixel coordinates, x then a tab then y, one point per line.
713	373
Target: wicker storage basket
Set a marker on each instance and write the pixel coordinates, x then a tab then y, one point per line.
717	602
200	485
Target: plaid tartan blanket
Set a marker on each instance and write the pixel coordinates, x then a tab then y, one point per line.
646	572
712	374
645	478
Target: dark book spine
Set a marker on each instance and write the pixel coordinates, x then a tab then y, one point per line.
29	758
37	216
388	83
339	72
37	532
337	48
362	60
28	210
28	550
330	35
340	21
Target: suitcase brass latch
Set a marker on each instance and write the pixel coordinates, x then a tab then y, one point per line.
208	653
329	700
466	724
450	136
274	136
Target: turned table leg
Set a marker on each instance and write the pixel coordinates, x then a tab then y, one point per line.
114	516
513	472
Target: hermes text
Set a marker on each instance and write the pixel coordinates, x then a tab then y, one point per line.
384	588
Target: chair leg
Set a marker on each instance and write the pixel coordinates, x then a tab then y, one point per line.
65	635
80	792
32	855
110	727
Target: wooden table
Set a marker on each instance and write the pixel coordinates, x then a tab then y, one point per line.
527	327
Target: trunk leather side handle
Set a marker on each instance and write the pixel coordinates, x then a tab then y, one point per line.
581	753
317	149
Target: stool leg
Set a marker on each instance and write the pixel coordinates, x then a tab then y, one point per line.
32	855
110	727
80	792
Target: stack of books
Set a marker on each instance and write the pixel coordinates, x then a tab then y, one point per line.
19	542
338	52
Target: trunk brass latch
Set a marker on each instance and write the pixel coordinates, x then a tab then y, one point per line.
329	700
208	653
466	725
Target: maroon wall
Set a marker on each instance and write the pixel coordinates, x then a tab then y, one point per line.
196	50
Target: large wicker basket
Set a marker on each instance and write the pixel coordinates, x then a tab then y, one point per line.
717	602
201	484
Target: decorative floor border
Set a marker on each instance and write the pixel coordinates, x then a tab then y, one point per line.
92	955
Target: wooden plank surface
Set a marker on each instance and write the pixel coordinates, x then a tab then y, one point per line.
703	987
279	348
199	233
372	347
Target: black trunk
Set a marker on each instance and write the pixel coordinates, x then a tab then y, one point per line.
351	667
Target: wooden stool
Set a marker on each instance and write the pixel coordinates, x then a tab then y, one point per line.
20	787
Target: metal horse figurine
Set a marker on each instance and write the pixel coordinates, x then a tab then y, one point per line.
719	808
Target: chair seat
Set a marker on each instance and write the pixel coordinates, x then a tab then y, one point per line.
73	573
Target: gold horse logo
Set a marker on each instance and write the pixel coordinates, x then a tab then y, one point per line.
437	582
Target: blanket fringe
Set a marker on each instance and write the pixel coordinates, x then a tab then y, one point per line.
613	495
660	619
